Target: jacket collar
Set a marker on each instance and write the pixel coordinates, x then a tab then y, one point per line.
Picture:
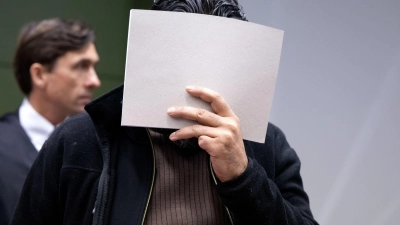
106	111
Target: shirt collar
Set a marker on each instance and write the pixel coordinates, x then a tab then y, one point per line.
35	125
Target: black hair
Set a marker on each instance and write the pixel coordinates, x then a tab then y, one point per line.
224	8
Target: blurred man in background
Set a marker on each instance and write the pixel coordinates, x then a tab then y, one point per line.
54	67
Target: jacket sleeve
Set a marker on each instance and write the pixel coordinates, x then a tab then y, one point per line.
257	198
38	203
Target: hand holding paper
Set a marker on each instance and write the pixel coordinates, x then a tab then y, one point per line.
219	133
169	50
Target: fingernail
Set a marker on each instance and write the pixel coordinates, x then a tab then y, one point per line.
170	110
172	137
190	88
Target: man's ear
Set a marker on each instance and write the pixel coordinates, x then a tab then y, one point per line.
38	75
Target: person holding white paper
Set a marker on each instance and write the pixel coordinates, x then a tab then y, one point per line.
104	173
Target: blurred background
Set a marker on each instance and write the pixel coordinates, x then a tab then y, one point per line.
337	97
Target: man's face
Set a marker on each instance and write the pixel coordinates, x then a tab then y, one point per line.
72	80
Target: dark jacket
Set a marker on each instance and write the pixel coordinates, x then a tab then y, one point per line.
17	155
74	180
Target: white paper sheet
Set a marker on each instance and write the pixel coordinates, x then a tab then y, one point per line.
168	51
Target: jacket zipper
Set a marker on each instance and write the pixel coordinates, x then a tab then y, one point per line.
215	181
152	180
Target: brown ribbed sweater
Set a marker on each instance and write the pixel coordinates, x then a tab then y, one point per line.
184	192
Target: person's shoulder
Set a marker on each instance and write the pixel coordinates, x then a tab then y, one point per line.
76	142
80	122
77	126
9	126
275	142
75	129
275	151
8	119
273	133
272	129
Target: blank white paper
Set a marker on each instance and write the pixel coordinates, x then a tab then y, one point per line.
168	51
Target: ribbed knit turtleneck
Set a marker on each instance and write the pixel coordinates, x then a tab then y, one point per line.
184	192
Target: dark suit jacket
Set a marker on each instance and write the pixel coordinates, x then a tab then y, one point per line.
17	155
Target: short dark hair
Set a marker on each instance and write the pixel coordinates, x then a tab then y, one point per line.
44	42
224	8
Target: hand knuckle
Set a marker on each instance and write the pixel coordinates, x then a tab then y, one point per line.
201	112
202	142
232	125
215	118
203	129
228	136
217	95
195	128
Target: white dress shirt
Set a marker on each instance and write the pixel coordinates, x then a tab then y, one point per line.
35	125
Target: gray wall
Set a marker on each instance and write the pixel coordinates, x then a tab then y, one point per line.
338	101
